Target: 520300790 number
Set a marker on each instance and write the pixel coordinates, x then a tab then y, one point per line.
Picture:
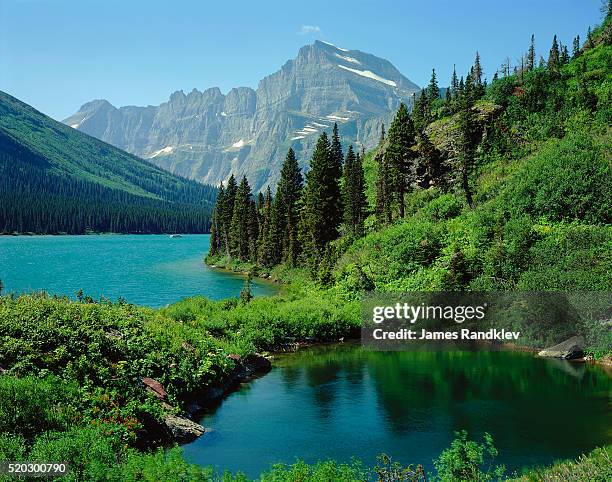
33	469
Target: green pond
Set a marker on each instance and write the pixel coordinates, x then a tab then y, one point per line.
149	270
343	401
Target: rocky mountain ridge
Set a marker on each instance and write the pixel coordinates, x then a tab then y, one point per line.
207	135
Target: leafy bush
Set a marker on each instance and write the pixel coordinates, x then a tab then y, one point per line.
29	405
568	179
467	460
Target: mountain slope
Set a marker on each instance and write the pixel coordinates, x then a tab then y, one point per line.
56	179
208	135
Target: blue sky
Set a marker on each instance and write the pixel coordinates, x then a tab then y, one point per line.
59	54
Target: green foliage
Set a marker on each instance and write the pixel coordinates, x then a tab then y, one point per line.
468	460
566	179
30	405
594	467
321	471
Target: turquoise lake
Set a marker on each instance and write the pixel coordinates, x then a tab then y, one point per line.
149	270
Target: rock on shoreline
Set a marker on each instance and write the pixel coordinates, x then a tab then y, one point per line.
567	350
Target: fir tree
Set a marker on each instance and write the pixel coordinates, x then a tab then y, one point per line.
399	155
353	191
320	215
454	84
381	141
216	228
286	206
554	56
383	196
264	243
433	91
589	43
421	113
576	47
239	230
476	75
531	54
564	57
253	230
227	212
466	147
336	151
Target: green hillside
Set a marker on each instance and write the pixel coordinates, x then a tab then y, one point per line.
55	179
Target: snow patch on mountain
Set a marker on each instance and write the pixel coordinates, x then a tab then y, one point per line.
337	118
164	150
348	59
239	144
370	75
297	138
334	46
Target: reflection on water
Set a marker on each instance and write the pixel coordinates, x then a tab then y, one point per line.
343	401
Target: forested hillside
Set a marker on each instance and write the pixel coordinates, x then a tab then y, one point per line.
54	179
499	185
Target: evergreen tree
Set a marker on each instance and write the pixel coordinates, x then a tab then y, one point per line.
226	213
576	47
216	228
531	54
476	75
246	294
381	141
239	229
320	216
354	193
399	156
336	151
454	84
564	56
433	91
466	144
286	207
589	43
421	113
264	243
383	196
253	230
554	56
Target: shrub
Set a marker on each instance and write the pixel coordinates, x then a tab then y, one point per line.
466	460
568	179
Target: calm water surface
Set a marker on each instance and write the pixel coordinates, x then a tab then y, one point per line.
150	270
342	401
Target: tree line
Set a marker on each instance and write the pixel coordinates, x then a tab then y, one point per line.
296	225
36	200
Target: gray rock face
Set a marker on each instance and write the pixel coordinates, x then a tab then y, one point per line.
208	135
182	429
567	350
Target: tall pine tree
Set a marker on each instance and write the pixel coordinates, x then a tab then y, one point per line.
286	207
531	54
320	215
354	193
240	226
399	156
